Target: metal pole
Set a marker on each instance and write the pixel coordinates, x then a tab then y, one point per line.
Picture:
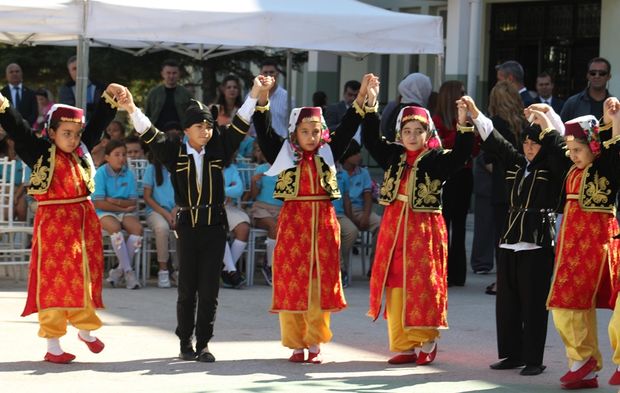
81	80
474	47
289	79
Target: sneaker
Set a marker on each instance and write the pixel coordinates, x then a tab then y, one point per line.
267	274
232	279
115	276
345	278
163	279
130	280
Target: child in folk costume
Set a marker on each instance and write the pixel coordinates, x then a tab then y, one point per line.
306	274
534	181
587	254
411	256
66	268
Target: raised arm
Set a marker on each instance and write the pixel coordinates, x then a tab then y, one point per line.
28	146
268	140
105	110
342	135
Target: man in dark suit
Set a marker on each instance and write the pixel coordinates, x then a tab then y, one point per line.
512	72
66	95
335	112
20	96
544	88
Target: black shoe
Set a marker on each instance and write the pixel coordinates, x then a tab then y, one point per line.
507	364
187	351
232	279
491	289
206	356
533	370
345	278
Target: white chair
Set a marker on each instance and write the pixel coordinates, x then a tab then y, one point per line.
14	235
250	261
138	167
364	244
109	254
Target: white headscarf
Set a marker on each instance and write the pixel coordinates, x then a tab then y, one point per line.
415	88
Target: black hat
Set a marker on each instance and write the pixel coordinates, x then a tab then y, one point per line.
532	133
353	149
197	112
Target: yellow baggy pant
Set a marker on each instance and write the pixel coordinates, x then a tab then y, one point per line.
53	322
403	339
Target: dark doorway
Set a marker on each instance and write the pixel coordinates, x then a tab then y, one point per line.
558	37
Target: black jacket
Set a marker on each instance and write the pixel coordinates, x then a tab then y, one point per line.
28	106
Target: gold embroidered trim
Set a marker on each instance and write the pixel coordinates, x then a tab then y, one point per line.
371	109
544	132
612	141
153	137
109	99
63	201
463	129
358	109
605	127
264	108
428	192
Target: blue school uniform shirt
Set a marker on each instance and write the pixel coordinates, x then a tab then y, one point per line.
359	183
343	185
267	185
19	171
246	147
162	194
121	185
233	185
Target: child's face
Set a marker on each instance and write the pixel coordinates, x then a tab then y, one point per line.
580	153
308	135
413	135
66	136
134	151
354	160
199	134
530	149
114	131
117	158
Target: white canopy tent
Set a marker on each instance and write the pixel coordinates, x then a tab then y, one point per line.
198	29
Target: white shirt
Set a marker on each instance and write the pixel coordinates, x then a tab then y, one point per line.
198	160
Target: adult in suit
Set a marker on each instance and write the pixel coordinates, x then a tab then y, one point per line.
512	72
20	96
66	95
335	112
544	88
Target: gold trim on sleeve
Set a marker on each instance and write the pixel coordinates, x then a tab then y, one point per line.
611	141
109	99
263	108
463	129
358	109
605	127
372	109
5	105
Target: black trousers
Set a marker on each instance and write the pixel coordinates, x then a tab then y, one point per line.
201	252
523	281
456	198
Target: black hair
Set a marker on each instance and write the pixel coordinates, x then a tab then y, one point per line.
319	98
269	62
171	63
600	60
112	145
352	85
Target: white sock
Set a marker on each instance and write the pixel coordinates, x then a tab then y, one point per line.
271	245
237	248
120	249
134	242
428	346
315	348
300	350
577	364
53	346
229	265
85	335
618	368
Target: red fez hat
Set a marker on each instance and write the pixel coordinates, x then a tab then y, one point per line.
309	113
61	112
413	113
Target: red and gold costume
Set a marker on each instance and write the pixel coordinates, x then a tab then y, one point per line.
301	255
67	252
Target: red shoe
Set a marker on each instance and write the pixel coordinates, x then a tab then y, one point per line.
63	358
94	346
297	357
314	357
579	375
615	379
426	358
403	358
582	384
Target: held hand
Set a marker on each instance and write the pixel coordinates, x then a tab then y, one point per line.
611	109
373	91
2	99
538	117
471	106
544	108
364	85
126	101
115	90
461	107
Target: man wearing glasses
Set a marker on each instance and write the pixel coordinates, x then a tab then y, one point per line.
590	101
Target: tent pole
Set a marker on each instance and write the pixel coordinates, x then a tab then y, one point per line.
289	79
473	48
81	80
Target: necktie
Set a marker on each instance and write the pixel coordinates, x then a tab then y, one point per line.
18	97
